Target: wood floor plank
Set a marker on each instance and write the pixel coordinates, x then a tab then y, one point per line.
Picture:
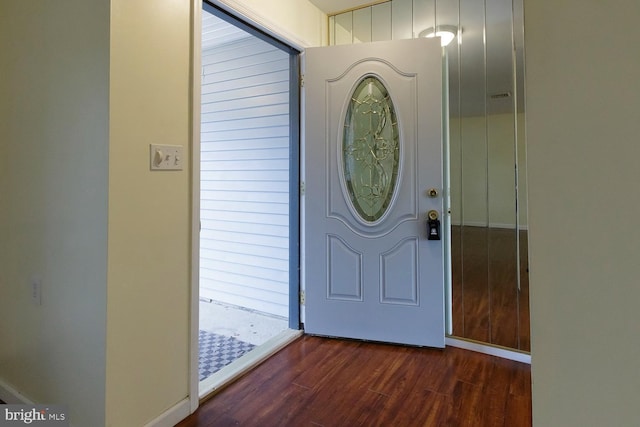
330	382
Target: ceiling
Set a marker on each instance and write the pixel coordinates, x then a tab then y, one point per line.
473	92
480	66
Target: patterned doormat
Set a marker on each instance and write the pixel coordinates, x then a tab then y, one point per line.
217	351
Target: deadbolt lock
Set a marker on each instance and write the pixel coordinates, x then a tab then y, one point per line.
432	192
433	225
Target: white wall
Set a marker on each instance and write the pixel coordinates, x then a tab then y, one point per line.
149	212
583	105
54	163
86	86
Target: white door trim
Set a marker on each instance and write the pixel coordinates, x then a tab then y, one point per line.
246	15
194	321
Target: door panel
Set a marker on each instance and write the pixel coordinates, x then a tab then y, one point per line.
370	272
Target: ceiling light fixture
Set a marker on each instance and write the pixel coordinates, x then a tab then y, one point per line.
446	33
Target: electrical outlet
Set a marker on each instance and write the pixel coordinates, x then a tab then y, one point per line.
36	290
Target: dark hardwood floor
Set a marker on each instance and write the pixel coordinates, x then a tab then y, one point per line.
487	304
330	382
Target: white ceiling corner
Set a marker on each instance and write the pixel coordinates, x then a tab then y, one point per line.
331	7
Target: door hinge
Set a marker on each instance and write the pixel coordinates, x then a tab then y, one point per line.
302	188
301	80
302	297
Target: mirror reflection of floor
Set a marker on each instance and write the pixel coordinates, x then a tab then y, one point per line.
228	332
487	305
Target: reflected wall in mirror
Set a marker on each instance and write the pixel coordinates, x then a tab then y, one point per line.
487	164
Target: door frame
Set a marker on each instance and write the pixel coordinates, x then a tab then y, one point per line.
248	17
294	151
255	26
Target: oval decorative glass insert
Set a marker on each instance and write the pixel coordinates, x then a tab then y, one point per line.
370	149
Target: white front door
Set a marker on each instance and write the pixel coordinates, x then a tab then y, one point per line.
373	149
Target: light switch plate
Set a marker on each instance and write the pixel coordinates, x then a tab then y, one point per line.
166	157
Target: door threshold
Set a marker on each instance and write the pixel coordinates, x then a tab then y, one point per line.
211	385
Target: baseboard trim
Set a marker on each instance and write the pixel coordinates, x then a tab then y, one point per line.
490	225
479	347
508	226
173	415
213	384
8	394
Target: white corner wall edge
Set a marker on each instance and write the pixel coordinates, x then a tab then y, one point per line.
502	352
8	394
247	362
173	415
